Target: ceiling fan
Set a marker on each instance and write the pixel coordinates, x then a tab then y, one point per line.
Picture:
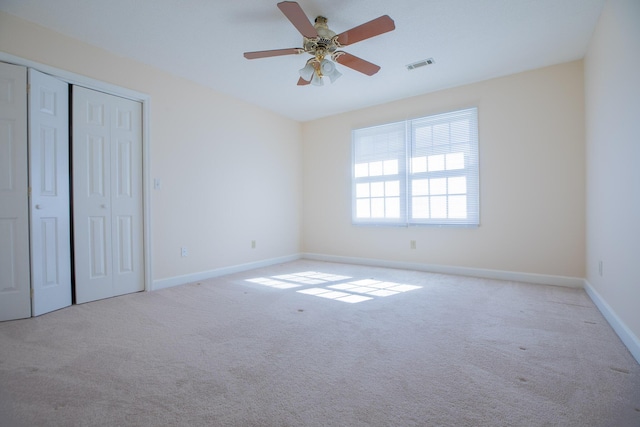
322	43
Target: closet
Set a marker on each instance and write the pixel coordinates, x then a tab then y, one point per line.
67	172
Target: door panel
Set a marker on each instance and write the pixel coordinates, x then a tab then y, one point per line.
98	248
7	149
125	170
15	299
91	196
126	245
49	180
49	162
127	196
97	164
50	239
107	195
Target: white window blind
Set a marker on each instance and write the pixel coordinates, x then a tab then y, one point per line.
422	171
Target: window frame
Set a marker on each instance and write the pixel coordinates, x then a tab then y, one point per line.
406	153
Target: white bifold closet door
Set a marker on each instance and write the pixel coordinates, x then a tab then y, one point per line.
50	234
107	195
35	253
15	296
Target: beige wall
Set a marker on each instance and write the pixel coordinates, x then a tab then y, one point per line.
230	171
532	197
612	82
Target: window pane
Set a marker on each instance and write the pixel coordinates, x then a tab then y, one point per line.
441	134
392	188
439	207
381	146
379	142
455	161
363	208
438	186
458	185
361	169
459	131
377	189
375	168
391	167
377	208
418	164
420	187
423	135
436	163
420	207
393	207
362	190
458	207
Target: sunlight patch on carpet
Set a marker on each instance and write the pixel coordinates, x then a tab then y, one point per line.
312	277
273	283
339	288
338	296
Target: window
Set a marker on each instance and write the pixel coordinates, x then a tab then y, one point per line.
422	171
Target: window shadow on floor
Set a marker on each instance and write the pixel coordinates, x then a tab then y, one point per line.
336	287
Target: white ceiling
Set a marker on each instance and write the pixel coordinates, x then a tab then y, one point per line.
203	40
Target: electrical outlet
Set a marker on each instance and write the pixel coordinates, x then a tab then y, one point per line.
184	251
253	244
600	268
412	244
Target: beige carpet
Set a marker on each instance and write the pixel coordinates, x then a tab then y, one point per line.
249	349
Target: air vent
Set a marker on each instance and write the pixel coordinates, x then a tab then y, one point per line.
419	64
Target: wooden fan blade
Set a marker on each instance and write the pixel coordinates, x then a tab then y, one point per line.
275	52
295	14
303	82
357	64
367	30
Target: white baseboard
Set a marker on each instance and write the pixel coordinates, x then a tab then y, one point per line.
626	335
542	279
203	275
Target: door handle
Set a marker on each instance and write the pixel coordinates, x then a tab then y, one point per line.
103	206
38	206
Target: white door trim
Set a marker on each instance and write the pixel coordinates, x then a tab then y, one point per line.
145	99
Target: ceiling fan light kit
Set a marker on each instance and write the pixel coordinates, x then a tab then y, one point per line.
307	72
316	80
324	44
329	69
314	70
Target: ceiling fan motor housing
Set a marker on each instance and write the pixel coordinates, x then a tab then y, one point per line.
325	43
